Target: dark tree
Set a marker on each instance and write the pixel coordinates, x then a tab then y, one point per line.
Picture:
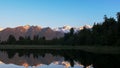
11	39
71	31
36	37
21	38
118	17
104	33
105	18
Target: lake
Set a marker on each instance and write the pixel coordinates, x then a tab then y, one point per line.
56	58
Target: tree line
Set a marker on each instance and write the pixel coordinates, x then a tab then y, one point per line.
104	33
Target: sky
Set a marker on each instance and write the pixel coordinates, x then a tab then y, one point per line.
55	13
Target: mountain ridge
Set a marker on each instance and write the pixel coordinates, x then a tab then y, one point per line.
31	31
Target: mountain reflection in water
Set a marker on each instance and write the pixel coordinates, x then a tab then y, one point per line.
61	58
30	60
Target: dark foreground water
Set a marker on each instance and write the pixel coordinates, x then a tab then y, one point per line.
51	58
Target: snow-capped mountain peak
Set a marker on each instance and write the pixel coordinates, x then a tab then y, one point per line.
26	27
31	31
87	26
66	29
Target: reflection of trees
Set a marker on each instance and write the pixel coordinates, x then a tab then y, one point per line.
35	57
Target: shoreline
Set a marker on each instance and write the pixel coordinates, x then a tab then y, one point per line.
87	48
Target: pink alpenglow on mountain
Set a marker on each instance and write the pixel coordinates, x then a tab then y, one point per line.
1	29
31	31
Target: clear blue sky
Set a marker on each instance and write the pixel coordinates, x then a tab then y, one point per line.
55	13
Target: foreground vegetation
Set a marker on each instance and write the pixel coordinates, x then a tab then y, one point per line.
104	33
87	48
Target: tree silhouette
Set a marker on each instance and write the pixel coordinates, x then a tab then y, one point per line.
11	39
104	33
71	31
118	17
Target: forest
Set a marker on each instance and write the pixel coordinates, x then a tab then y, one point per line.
102	33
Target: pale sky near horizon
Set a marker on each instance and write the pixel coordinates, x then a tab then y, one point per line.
55	13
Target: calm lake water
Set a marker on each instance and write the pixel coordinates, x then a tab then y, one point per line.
45	58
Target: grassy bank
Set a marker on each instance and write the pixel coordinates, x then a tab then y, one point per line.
93	49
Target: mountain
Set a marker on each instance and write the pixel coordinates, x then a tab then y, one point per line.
1	29
16	32
87	26
66	29
48	33
31	31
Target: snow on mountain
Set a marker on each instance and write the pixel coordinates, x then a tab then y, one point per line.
66	29
26	27
32	31
87	26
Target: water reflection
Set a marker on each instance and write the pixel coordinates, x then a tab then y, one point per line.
46	61
30	58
